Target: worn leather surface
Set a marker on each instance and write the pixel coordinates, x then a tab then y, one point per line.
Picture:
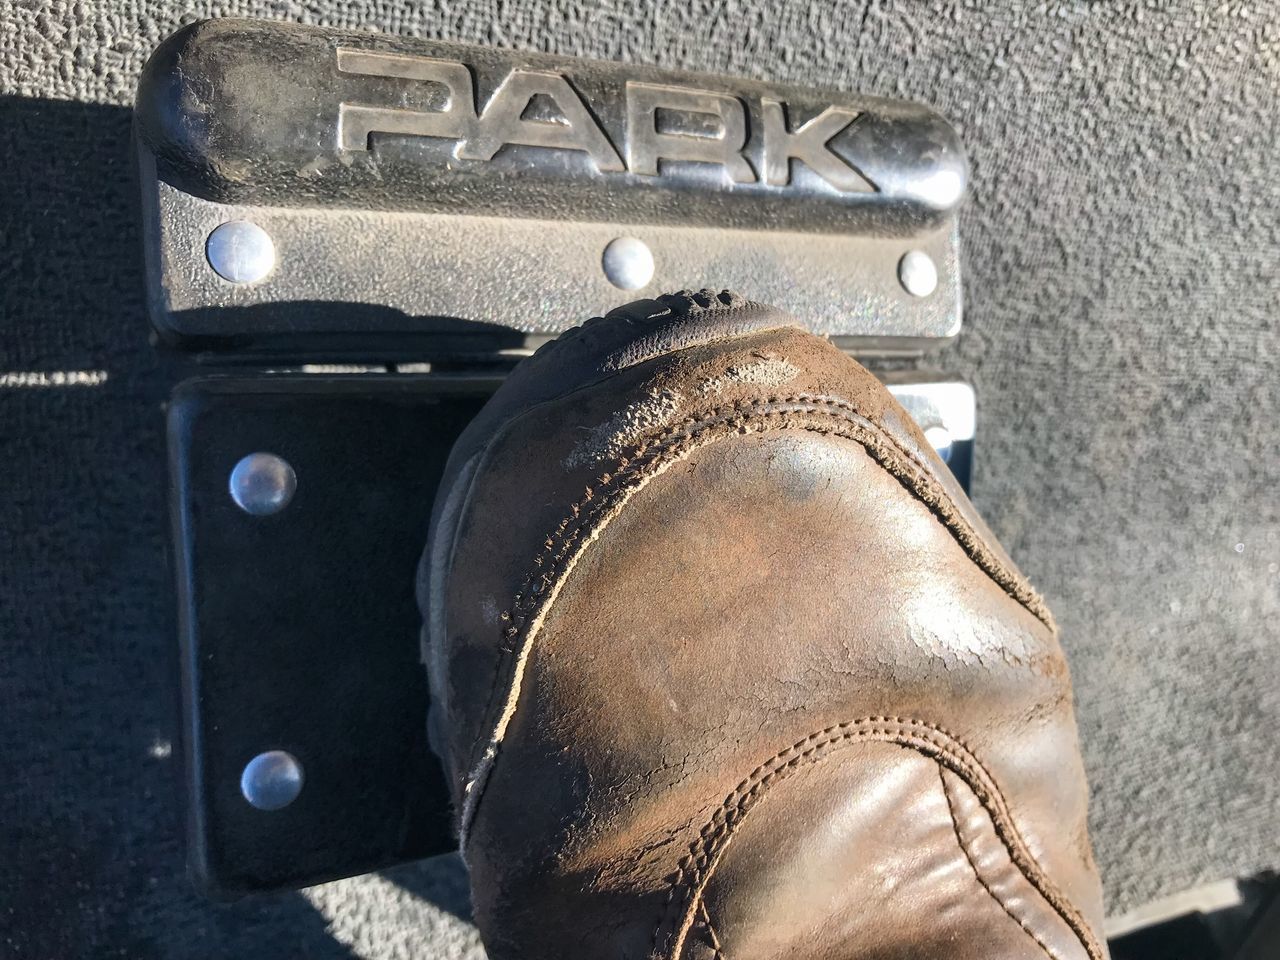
725	666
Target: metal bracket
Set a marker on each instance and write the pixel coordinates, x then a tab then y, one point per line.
408	207
945	408
298	623
342	195
300	507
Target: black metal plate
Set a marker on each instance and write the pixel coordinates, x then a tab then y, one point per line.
299	630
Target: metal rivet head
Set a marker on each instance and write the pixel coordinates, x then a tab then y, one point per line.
628	263
240	251
940	439
917	273
262	484
272	780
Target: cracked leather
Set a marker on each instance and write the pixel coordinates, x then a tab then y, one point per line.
724	664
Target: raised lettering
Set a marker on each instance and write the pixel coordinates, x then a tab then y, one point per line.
663	123
503	121
808	143
453	121
646	145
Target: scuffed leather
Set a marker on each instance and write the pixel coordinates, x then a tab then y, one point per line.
725	665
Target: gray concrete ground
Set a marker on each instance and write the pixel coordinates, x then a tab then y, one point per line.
1122	287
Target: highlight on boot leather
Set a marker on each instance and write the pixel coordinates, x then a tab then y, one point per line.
725	665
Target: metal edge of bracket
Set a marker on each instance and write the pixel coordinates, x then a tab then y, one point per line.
945	409
363	285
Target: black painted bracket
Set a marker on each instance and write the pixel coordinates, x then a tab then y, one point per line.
299	629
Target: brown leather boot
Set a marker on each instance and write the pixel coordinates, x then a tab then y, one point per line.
725	665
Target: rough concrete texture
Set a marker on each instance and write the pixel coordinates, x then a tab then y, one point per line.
1122	285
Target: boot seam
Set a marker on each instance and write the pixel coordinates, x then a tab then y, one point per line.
717	950
968	855
689	882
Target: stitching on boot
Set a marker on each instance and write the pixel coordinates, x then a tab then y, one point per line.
717	950
968	855
928	739
682	303
650	458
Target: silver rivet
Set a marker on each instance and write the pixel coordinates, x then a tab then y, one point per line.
240	251
272	780
940	439
263	484
917	274
628	263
